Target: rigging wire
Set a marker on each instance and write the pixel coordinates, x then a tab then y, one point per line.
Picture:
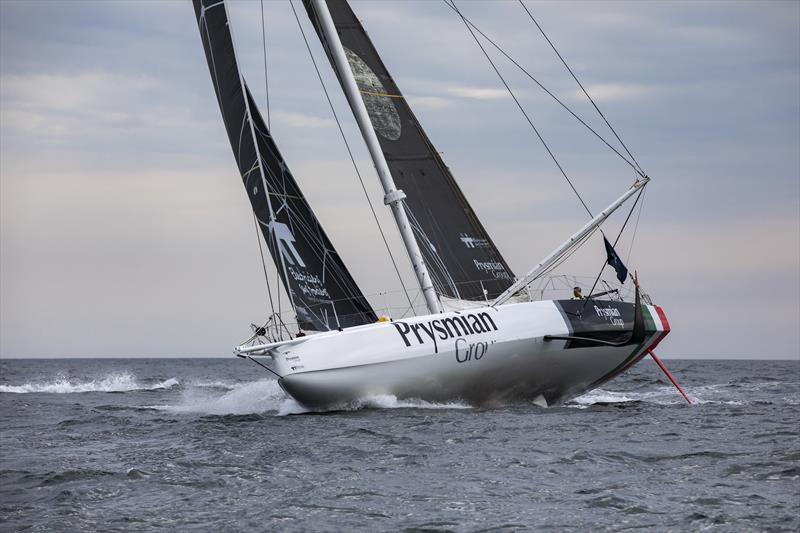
265	367
569	254
280	300
636	227
550	93
264	43
352	158
632	162
627	218
519	105
269	122
264	265
255	218
580	85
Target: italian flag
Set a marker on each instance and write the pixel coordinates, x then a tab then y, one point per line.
656	325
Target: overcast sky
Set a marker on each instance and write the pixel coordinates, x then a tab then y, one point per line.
124	229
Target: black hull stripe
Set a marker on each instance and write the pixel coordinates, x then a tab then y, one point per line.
636	356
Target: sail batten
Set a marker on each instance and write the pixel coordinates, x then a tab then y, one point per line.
320	288
462	260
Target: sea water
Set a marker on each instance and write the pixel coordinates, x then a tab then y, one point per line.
214	444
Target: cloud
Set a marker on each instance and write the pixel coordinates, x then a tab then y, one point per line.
477	93
118	183
427	102
75	92
615	20
69	108
608	92
299	120
757	246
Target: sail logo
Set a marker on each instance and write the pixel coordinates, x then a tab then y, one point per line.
472	242
443	329
286	243
382	112
309	284
495	268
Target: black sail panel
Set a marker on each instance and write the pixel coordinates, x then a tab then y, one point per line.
460	255
323	292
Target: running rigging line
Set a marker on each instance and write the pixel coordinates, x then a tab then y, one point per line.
610	127
636	226
580	85
264	266
452	5
255	219
631	162
627	218
264	43
352	158
549	93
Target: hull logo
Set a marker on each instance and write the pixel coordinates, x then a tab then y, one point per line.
611	315
471	351
442	329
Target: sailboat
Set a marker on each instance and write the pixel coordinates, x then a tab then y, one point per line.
484	338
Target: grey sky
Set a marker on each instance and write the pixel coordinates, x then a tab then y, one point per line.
124	230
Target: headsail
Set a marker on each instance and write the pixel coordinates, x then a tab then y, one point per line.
460	255
323	292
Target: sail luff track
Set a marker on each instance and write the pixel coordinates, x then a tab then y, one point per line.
320	288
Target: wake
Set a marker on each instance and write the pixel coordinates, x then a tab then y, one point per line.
266	397
715	393
256	397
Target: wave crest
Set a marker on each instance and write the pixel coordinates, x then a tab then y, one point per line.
266	397
388	401
714	393
116	382
255	397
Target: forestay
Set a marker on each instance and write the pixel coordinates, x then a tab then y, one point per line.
322	291
461	257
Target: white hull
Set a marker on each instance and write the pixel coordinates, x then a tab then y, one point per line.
481	356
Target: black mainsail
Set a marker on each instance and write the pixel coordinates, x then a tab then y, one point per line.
322	291
461	257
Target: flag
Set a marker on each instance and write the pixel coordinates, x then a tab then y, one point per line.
615	262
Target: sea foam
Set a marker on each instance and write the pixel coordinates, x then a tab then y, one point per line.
266	397
714	393
253	397
388	401
115	382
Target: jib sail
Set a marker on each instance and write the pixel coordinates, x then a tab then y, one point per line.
461	257
322	291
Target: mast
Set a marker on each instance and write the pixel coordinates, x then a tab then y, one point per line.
573	241
463	262
393	196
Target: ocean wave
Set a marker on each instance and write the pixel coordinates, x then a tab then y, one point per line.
714	393
661	396
116	382
600	396
254	397
214	385
266	397
388	401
